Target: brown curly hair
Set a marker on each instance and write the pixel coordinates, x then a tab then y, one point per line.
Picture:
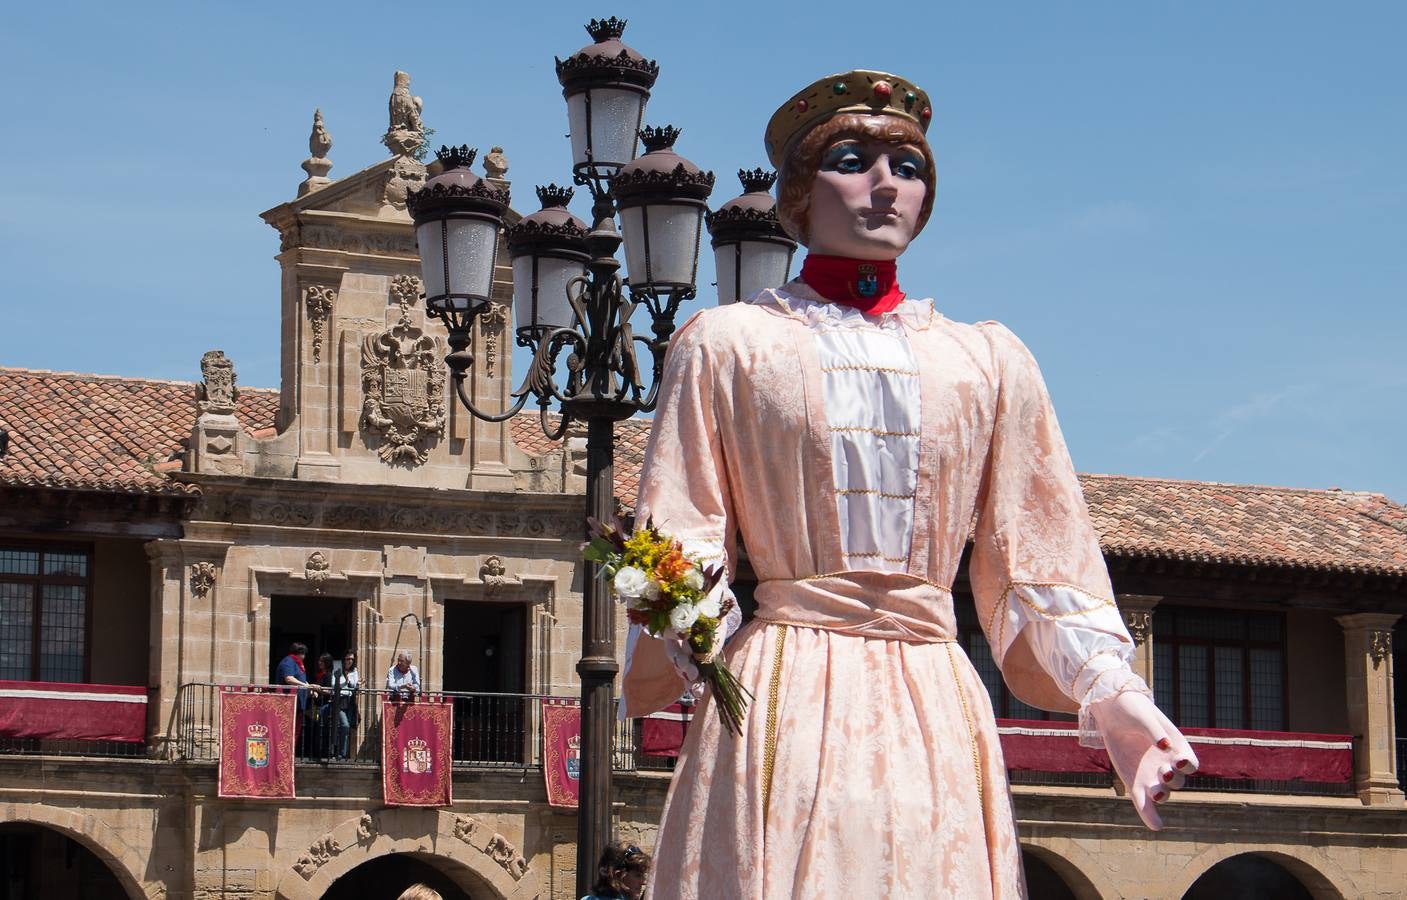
803	161
618	860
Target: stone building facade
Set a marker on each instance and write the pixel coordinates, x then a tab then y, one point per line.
206	525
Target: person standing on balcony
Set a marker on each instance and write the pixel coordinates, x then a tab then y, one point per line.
403	681
292	672
340	710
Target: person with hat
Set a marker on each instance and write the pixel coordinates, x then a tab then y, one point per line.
852	436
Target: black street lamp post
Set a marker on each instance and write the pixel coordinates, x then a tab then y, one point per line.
568	296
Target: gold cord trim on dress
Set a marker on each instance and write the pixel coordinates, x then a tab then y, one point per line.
847	574
769	741
877	432
851	367
971	729
875	492
879	556
1085	665
1011	586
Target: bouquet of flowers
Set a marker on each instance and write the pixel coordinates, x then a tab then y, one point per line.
668	593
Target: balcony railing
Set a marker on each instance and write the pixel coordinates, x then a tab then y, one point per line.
490	731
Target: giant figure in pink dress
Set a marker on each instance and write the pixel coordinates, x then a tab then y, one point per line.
854	439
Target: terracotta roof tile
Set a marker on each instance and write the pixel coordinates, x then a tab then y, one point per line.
103	433
106	433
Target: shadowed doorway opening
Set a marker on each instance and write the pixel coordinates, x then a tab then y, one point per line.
387	876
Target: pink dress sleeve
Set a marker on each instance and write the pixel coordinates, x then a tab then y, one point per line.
684	490
1039	579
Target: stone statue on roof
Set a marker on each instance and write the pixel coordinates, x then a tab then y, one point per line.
318	165
406	132
217	392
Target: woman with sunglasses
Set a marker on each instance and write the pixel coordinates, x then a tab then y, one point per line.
622	873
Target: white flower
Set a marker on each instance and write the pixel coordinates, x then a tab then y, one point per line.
652	590
710	607
693	579
683	616
630	582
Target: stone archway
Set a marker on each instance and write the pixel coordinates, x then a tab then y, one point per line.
460	846
1071	872
95	835
1321	877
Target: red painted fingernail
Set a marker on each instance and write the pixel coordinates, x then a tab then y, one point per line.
1183	763
1164	744
1168	776
1160	796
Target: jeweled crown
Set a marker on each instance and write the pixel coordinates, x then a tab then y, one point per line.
258	730
861	91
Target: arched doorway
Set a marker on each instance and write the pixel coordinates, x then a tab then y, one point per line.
38	862
386	876
1042	882
1249	876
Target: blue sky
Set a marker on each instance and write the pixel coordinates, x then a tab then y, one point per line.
1195	214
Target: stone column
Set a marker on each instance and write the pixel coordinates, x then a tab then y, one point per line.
164	667
1137	610
1368	660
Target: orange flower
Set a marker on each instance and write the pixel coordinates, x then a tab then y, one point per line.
673	567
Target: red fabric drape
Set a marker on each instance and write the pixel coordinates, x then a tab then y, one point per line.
415	752
79	712
561	752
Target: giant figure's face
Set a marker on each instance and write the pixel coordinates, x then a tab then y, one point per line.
867	198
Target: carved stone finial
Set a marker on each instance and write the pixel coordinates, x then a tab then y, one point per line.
1139	623
496	164
406	132
216	394
318	165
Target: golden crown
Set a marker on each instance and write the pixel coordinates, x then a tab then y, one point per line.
860	91
258	730
418	744
574	742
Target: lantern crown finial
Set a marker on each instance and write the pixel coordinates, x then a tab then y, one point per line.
609	29
757	180
659	138
553	196
461	157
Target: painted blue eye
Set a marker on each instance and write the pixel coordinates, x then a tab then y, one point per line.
845	159
908	168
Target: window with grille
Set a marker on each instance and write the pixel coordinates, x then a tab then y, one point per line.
44	612
1220	669
1004	704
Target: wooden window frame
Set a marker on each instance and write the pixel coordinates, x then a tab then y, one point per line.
38	581
1171	642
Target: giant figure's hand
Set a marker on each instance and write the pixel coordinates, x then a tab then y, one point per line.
683	658
1150	755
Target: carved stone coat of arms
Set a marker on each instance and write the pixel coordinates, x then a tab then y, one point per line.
403	392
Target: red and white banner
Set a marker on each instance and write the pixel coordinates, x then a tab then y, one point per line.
415	752
257	731
561	752
72	712
1221	753
662	733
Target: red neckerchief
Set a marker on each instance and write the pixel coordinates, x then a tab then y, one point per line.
869	285
301	668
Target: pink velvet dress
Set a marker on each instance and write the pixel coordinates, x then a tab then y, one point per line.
853	455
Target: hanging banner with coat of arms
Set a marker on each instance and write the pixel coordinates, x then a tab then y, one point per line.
415	751
561	751
256	743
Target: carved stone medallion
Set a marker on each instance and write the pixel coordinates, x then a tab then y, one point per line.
403	390
217	392
317	570
202	578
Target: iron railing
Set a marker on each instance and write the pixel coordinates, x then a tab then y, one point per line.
50	747
490	731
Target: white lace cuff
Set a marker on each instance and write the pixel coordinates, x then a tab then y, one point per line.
1112	679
